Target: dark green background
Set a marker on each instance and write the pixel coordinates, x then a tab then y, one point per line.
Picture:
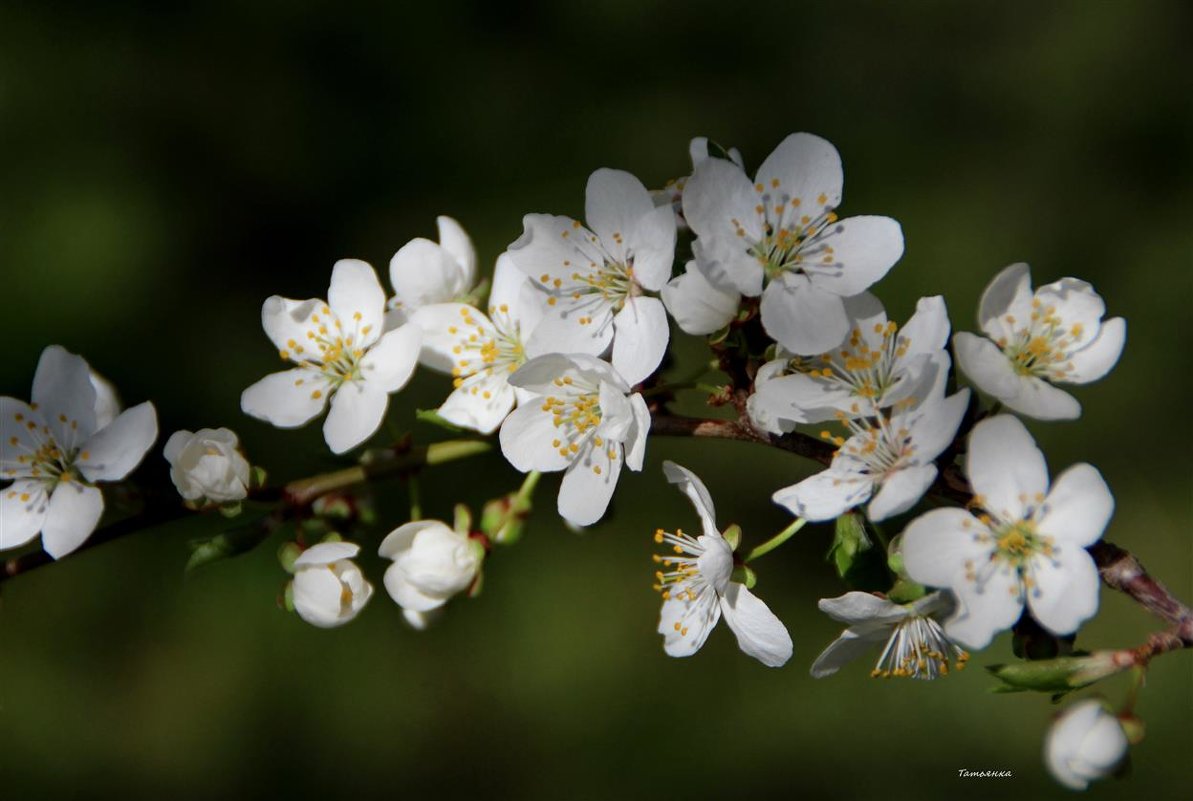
165	168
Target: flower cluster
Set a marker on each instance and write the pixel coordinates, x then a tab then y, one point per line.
559	358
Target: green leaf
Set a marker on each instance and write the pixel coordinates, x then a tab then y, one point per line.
226	545
1060	675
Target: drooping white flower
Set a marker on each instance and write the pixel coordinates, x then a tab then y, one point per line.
341	354
888	461
877	366
596	277
582	418
779	237
481	351
697	589
431	563
329	590
207	464
54	452
672	193
1085	743
699	307
424	272
1027	545
915	644
1055	335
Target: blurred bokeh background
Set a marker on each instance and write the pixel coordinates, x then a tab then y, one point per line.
168	166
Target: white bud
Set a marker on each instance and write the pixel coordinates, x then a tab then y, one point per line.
329	590
1085	743
431	563
207	464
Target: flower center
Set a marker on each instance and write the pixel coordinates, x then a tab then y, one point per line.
879	444
791	237
1041	348
867	372
46	459
576	413
918	648
487	351
1016	543
339	352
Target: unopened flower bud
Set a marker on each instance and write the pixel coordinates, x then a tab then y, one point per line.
207	465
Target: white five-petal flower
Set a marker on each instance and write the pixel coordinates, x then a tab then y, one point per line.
340	353
888	461
779	237
1085	743
877	366
1055	335
207	464
582	418
54	451
1026	546
915	644
431	563
695	580
424	272
596	277
481	351
329	590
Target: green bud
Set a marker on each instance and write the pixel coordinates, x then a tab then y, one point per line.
332	536
1063	674
849	540
732	536
333	506
288	597
231	509
228	544
906	591
288	554
503	520
1132	727
463	519
257	477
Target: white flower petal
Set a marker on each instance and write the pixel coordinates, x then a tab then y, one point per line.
1005	467
1039	399
843	650
21	432
107	400
987	366
729	266
635	441
409	595
935	425
685	625
801	317
561	329
1065	589
864	250
455	240
357	299
357	409
23	507
422	273
114	451
699	308
73	513
691	485
759	632
991	604
443	330
515	296
937	544
287	322
614	201
927	331
389	363
1007	296
1078	507
640	338
326	553
616	414
1084	744
653	248
799	398
717	194
318	596
526	440
287	399
806	167
480	407
1096	359
826	495
900	491
1076	303
64	395
584	494
863	609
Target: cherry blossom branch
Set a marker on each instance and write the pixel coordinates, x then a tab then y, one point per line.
166	508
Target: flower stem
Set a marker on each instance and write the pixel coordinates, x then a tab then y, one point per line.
526	491
416	506
777	540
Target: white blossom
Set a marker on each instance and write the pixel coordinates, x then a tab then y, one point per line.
596	277
340	353
914	644
1055	335
877	366
329	590
424	272
54	451
672	193
779	237
1085	743
583	419
695	580
207	464
1026	544
698	306
431	563
888	461
481	351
